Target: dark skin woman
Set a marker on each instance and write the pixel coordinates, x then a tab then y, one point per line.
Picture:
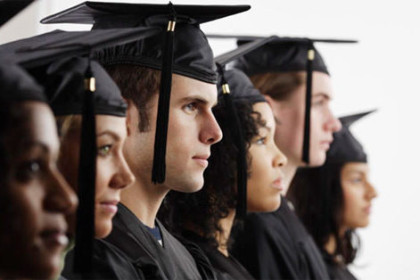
335	199
34	197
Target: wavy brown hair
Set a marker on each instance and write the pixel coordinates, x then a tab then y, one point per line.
278	86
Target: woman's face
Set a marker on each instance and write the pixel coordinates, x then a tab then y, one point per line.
290	116
34	226
266	181
112	171
358	194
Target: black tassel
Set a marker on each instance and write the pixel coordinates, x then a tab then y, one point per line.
85	225
308	103
159	164
241	159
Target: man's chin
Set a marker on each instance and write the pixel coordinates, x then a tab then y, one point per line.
317	162
189	186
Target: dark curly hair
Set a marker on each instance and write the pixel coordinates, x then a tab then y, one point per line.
318	198
201	212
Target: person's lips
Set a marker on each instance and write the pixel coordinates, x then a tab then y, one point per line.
367	210
326	144
109	206
278	184
55	237
201	160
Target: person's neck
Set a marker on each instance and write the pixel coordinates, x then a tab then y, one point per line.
331	245
289	173
144	199
222	238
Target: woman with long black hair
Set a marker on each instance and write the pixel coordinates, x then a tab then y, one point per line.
334	200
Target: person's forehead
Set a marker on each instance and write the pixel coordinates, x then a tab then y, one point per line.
356	167
41	125
185	87
321	84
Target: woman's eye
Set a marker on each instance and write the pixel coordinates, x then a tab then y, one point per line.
104	150
261	141
28	170
356	180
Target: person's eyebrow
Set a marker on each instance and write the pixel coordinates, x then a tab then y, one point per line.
323	95
199	99
358	172
268	128
27	145
109	133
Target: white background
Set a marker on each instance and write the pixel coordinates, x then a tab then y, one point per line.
382	71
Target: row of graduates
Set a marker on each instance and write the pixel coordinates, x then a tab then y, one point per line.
128	116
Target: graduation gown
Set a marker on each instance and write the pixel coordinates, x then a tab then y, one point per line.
132	252
277	246
337	271
226	268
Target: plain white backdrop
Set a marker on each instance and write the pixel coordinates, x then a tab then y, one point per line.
381	71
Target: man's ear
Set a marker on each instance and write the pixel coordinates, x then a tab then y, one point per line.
131	109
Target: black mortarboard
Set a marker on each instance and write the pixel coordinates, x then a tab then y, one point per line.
9	8
234	85
286	54
16	85
48	47
64	86
41	51
345	147
184	50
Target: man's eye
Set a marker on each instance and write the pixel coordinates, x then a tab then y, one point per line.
319	102
104	150
191	107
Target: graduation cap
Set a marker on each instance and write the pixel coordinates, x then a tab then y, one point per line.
286	54
183	50
9	8
16	85
345	147
235	85
43	49
82	79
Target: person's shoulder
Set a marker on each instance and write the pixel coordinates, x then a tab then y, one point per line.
109	262
261	221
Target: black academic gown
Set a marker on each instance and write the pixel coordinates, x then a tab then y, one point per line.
337	271
132	252
277	246
226	268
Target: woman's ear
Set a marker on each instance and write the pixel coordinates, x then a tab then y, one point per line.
270	100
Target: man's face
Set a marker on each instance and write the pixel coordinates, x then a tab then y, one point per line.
290	114
192	130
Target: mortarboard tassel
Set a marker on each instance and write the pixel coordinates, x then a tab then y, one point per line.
241	159
159	159
85	225
308	101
